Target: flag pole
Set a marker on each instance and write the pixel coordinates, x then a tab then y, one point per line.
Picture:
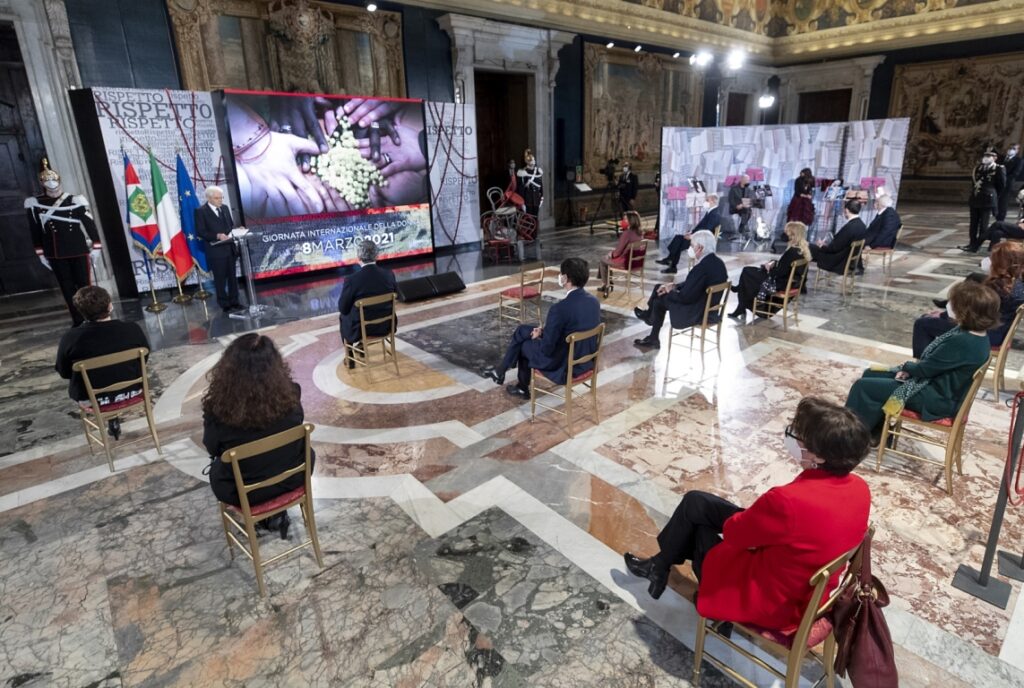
200	293
182	297
155	306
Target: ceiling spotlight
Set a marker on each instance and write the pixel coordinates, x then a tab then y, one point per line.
766	101
610	44
735	59
675	56
701	59
371	7
637	49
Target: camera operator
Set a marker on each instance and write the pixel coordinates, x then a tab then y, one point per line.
627	186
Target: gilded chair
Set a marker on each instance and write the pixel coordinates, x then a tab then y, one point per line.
358	353
636	254
886	252
849	271
1000	354
242	519
780	301
711	323
541	385
515	303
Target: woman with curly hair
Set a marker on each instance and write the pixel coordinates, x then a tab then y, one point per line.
252	396
1004	278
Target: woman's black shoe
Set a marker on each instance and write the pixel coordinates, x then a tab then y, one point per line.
114	428
283	524
651	569
738	315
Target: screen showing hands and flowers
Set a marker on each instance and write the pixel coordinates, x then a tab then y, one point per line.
317	174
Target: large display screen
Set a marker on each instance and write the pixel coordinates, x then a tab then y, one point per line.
317	174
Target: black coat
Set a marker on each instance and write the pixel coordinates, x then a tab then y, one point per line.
832	256
219	437
209	225
736	195
881	233
686	301
987	184
91	339
628	186
1014	170
61	227
370	280
577	312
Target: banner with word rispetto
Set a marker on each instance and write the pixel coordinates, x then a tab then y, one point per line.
454	180
132	122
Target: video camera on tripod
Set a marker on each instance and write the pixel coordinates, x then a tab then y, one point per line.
609	170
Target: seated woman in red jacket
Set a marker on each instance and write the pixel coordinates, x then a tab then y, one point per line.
617	259
754	564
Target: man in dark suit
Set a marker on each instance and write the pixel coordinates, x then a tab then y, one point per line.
737	193
214	224
987	183
882	231
681	242
999	231
684	302
544	348
832	256
628	186
1014	168
370	280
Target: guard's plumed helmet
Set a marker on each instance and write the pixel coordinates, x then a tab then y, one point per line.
529	158
46	174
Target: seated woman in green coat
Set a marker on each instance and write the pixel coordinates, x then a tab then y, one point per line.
934	385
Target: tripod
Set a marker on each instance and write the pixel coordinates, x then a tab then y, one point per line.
600	203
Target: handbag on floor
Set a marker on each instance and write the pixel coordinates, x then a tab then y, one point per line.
863	644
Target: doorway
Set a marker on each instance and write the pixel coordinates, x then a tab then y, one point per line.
824	106
21	149
503	123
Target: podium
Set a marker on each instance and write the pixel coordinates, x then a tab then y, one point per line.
241	241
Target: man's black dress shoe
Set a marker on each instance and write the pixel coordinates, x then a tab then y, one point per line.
492	374
517	391
663	261
738	315
642	314
651	569
968	248
647	343
669	271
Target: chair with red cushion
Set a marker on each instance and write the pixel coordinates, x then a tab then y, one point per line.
885	251
251	513
1000	354
950	433
780	300
632	266
513	302
495	243
710	324
539	384
815	628
121	395
849	270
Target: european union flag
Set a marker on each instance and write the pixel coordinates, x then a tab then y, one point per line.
188	203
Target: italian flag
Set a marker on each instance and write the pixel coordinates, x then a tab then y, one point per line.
141	222
172	240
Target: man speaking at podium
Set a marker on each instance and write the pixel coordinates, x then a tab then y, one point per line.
213	225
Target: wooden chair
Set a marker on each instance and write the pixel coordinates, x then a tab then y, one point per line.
849	271
1000	354
95	417
950	430
358	353
513	302
636	257
718	233
495	244
815	628
780	300
706	325
251	513
886	252
568	394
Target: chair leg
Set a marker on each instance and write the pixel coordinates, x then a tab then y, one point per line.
106	442
698	650
593	396
306	505
950	452
227	536
829	661
394	355
882	442
568	403
88	434
152	427
254	549
533	395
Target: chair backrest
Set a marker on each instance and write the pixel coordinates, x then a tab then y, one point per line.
801	265
532	275
369	302
1012	331
526	226
495	196
718	231
88	364
899	232
574	337
711	307
852	562
262	446
856	248
637	252
968	400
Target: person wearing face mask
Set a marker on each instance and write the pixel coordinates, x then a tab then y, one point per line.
832	256
771	277
737	193
64	235
684	302
987	183
545	348
627	187
753	564
1013	167
530	184
99	335
1004	276
999	231
681	242
630	226
934	385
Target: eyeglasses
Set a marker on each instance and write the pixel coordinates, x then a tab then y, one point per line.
789	433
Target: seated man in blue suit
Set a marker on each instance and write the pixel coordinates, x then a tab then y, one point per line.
684	302
681	242
544	348
370	280
882	231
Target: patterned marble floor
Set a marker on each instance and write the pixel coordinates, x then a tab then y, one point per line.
464	544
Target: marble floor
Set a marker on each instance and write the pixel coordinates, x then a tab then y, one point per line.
465	545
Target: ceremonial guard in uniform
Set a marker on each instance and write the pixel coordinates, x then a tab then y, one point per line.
530	184
64	235
1013	166
628	186
988	180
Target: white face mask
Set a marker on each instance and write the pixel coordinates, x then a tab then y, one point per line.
561	281
793	447
52	184
690	252
987	160
625	170
949	311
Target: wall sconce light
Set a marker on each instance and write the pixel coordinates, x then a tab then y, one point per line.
766	101
610	44
701	59
735	59
675	56
637	49
371	7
